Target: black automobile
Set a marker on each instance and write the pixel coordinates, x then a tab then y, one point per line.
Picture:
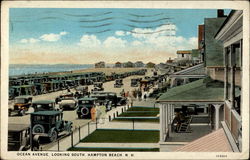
84	107
18	137
98	86
43	105
49	124
118	83
104	97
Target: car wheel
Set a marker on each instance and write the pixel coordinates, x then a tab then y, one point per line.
22	112
53	136
85	111
38	128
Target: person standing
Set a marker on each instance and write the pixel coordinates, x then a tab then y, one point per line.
93	113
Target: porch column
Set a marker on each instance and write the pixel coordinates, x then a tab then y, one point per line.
217	115
166	118
225	52
164	121
172	82
161	123
232	80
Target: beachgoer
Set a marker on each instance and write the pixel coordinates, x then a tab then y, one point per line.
93	113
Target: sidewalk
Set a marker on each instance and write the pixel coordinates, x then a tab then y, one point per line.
119	145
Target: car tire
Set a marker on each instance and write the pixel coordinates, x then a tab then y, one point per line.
85	111
38	128
53	136
22	112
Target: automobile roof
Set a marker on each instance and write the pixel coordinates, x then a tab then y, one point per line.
43	102
87	99
47	113
17	127
24	96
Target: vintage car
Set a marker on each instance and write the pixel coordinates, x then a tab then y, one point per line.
118	83
135	82
18	137
22	104
49	124
121	100
84	107
104	97
67	101
98	86
43	105
81	91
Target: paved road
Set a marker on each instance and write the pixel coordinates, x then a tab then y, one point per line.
71	115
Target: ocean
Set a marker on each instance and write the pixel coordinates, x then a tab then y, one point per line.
24	69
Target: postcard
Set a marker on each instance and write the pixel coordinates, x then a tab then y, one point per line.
125	80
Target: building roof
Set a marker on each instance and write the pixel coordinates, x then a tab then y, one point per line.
214	142
203	90
184	52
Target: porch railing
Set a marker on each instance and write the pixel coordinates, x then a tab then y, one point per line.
233	121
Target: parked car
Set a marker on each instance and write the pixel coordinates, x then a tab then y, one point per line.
49	124
118	83
22	104
98	86
84	107
121	100
81	91
18	137
104	97
67	101
43	105
135	82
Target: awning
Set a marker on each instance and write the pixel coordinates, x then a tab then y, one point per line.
214	142
203	90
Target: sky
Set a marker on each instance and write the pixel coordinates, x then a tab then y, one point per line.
90	35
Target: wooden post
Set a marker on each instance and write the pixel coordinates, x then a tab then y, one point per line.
96	123
133	124
58	145
88	128
79	133
72	139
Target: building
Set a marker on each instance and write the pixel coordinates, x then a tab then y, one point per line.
118	65
201	41
184	54
100	65
139	64
128	64
169	61
231	36
196	57
150	65
212	48
209	102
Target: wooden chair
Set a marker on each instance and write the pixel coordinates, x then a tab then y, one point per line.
185	126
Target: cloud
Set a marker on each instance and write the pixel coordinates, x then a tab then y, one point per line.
120	33
52	37
113	42
136	43
89	41
29	40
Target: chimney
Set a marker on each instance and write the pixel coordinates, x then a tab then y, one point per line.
220	13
